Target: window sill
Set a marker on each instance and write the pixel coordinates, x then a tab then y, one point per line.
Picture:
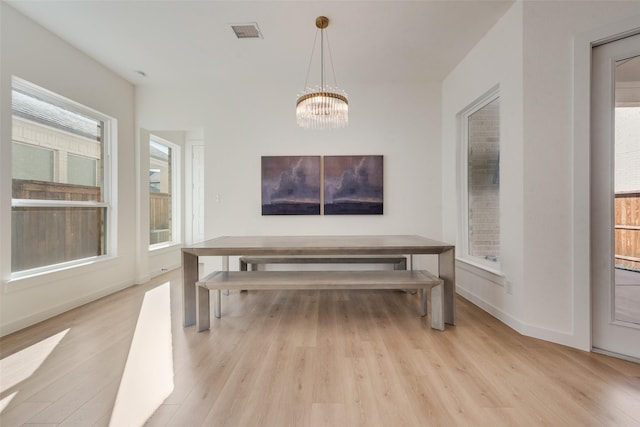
163	247
38	277
491	273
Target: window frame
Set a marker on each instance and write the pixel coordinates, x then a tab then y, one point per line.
463	131
176	205
109	179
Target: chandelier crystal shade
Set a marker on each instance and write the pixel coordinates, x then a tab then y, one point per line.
323	106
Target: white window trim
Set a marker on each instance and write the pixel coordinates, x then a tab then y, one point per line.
109	186
39	271
176	185
463	195
56	203
488	272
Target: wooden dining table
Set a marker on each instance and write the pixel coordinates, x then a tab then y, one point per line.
226	246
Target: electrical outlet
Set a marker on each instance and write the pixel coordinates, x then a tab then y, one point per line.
508	287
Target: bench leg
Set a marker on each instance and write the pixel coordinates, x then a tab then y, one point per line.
423	302
402	265
202	309
243	267
437	307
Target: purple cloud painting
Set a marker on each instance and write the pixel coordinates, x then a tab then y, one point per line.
291	185
353	185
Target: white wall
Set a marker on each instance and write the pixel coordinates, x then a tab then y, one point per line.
243	122
495	60
30	52
549	33
544	256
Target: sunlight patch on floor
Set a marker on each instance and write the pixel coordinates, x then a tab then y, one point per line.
21	365
4	402
147	379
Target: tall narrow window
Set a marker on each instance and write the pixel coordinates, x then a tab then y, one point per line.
61	192
163	188
481	147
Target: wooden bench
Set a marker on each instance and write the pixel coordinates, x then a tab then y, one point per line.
270	280
398	262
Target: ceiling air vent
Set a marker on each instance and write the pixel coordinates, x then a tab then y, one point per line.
247	31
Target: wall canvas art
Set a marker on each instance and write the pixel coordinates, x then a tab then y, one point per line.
291	185
353	185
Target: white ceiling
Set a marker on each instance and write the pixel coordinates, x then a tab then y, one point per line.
191	42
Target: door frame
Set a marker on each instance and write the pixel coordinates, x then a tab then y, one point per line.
609	335
581	202
194	200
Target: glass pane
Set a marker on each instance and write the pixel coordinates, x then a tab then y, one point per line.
40	129
81	170
30	162
484	182
46	236
160	206
627	191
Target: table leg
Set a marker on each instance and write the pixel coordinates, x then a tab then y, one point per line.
190	276
447	272
225	267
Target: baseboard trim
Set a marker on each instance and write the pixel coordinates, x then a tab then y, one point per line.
505	318
521	327
35	318
163	270
616	355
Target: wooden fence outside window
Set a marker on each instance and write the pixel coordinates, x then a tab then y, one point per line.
627	230
159	218
51	235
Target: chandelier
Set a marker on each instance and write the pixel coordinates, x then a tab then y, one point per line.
323	106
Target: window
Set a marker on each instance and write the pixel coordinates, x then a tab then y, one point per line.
163	190
481	180
61	190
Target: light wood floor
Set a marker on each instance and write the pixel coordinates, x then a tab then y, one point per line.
293	358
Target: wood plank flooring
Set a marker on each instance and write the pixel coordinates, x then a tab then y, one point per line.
304	358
